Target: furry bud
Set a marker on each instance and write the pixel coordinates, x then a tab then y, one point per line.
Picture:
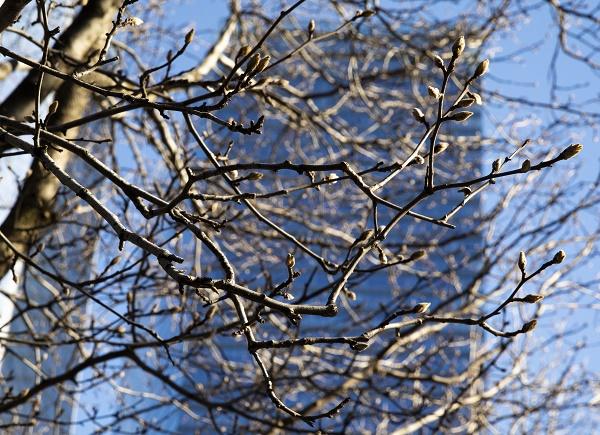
418	114
465	102
459	116
496	165
570	151
365	14
244	51
132	21
475	96
364	238
290	261
421	308
189	37
559	257
522	261
532	299
311	28
434	92
440	147
458	47
254	176
481	69
253	62
262	65
53	108
529	326
417	254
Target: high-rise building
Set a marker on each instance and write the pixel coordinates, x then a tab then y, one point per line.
35	311
377	295
451	266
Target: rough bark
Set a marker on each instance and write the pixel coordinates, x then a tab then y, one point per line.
33	212
10	11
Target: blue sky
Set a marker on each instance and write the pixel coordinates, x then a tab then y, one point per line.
530	71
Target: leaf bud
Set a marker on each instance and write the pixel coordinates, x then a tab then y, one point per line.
189	36
465	102
365	14
253	62
532	299
570	151
434	92
458	47
496	165
476	96
529	326
421	308
481	69
311	28
244	51
526	166
382	257
359	346
132	21
440	147
459	116
290	261
418	115
53	108
254	176
350	294
522	261
262	65
364	237
559	257
417	254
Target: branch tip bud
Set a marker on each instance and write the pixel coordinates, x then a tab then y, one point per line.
532	299
417	254
481	69
434	92
571	151
290	261
53	108
440	147
262	65
189	36
458	47
496	165
559	257
459	116
529	326
522	261
311	28
418	115
421	307
253	62
244	51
